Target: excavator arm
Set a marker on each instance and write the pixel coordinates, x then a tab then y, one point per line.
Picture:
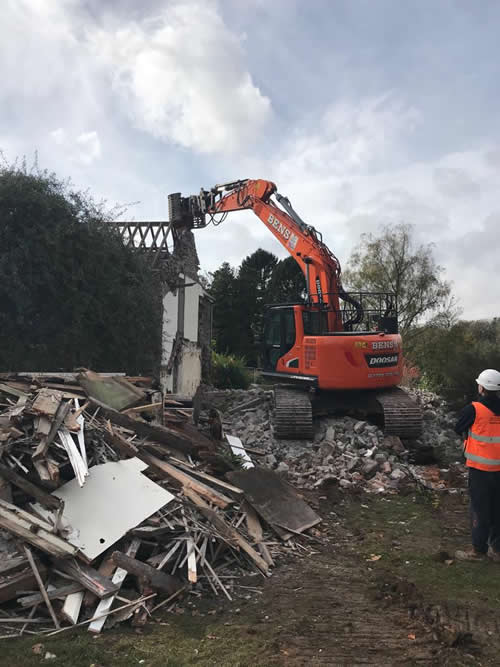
320	267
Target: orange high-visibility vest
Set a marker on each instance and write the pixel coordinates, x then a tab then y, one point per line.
482	447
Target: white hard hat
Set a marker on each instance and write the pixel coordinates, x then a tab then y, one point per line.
489	379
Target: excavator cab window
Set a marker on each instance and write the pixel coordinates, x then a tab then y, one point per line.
315	322
279	335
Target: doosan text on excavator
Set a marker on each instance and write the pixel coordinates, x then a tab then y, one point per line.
336	351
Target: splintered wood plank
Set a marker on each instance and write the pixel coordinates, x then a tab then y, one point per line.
206	477
23	580
168	436
47	402
106	603
87	576
60	415
53	594
191	561
72	606
227	531
46	499
186	480
33	530
13	391
41	586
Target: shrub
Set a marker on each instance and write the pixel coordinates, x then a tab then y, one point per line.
229	372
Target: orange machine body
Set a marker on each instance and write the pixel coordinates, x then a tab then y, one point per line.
371	360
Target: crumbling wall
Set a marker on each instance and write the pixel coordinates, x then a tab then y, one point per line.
188	369
185	344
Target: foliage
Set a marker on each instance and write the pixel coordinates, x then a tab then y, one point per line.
254	277
451	357
393	262
229	371
240	298
71	293
223	290
287	284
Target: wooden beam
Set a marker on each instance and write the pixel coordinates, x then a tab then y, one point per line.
41	586
24	580
44	498
35	531
53	594
192	470
163	434
160	581
186	480
87	577
166	469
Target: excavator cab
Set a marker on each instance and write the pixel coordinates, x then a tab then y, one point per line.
279	336
354	347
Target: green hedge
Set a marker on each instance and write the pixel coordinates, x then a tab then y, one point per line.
229	372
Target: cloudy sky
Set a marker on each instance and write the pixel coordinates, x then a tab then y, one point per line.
363	112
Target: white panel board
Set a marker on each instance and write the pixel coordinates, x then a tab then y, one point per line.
116	498
238	449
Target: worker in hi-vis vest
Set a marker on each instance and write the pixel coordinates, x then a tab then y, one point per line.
479	423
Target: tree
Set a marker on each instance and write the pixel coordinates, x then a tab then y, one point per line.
254	277
287	283
451	357
71	293
392	262
223	290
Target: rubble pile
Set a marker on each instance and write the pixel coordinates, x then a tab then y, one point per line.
351	452
113	504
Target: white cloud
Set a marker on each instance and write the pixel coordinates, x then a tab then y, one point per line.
83	149
453	182
59	136
89	147
37	47
182	78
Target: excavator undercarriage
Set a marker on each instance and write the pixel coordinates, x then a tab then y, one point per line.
393	410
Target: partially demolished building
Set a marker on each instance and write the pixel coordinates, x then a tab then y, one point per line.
187	308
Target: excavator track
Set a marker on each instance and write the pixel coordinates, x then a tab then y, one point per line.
402	416
293	418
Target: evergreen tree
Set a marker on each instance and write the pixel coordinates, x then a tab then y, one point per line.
71	293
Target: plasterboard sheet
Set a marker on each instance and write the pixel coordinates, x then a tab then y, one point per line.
116	498
239	450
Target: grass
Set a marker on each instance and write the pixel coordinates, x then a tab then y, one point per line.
412	534
174	641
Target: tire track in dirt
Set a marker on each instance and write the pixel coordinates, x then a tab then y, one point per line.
329	616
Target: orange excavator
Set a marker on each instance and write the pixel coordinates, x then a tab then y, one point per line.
333	352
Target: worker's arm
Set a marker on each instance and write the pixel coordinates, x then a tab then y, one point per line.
465	420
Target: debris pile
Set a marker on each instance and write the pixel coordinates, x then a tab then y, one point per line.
113	503
350	452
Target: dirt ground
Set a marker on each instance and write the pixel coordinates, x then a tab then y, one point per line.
380	587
